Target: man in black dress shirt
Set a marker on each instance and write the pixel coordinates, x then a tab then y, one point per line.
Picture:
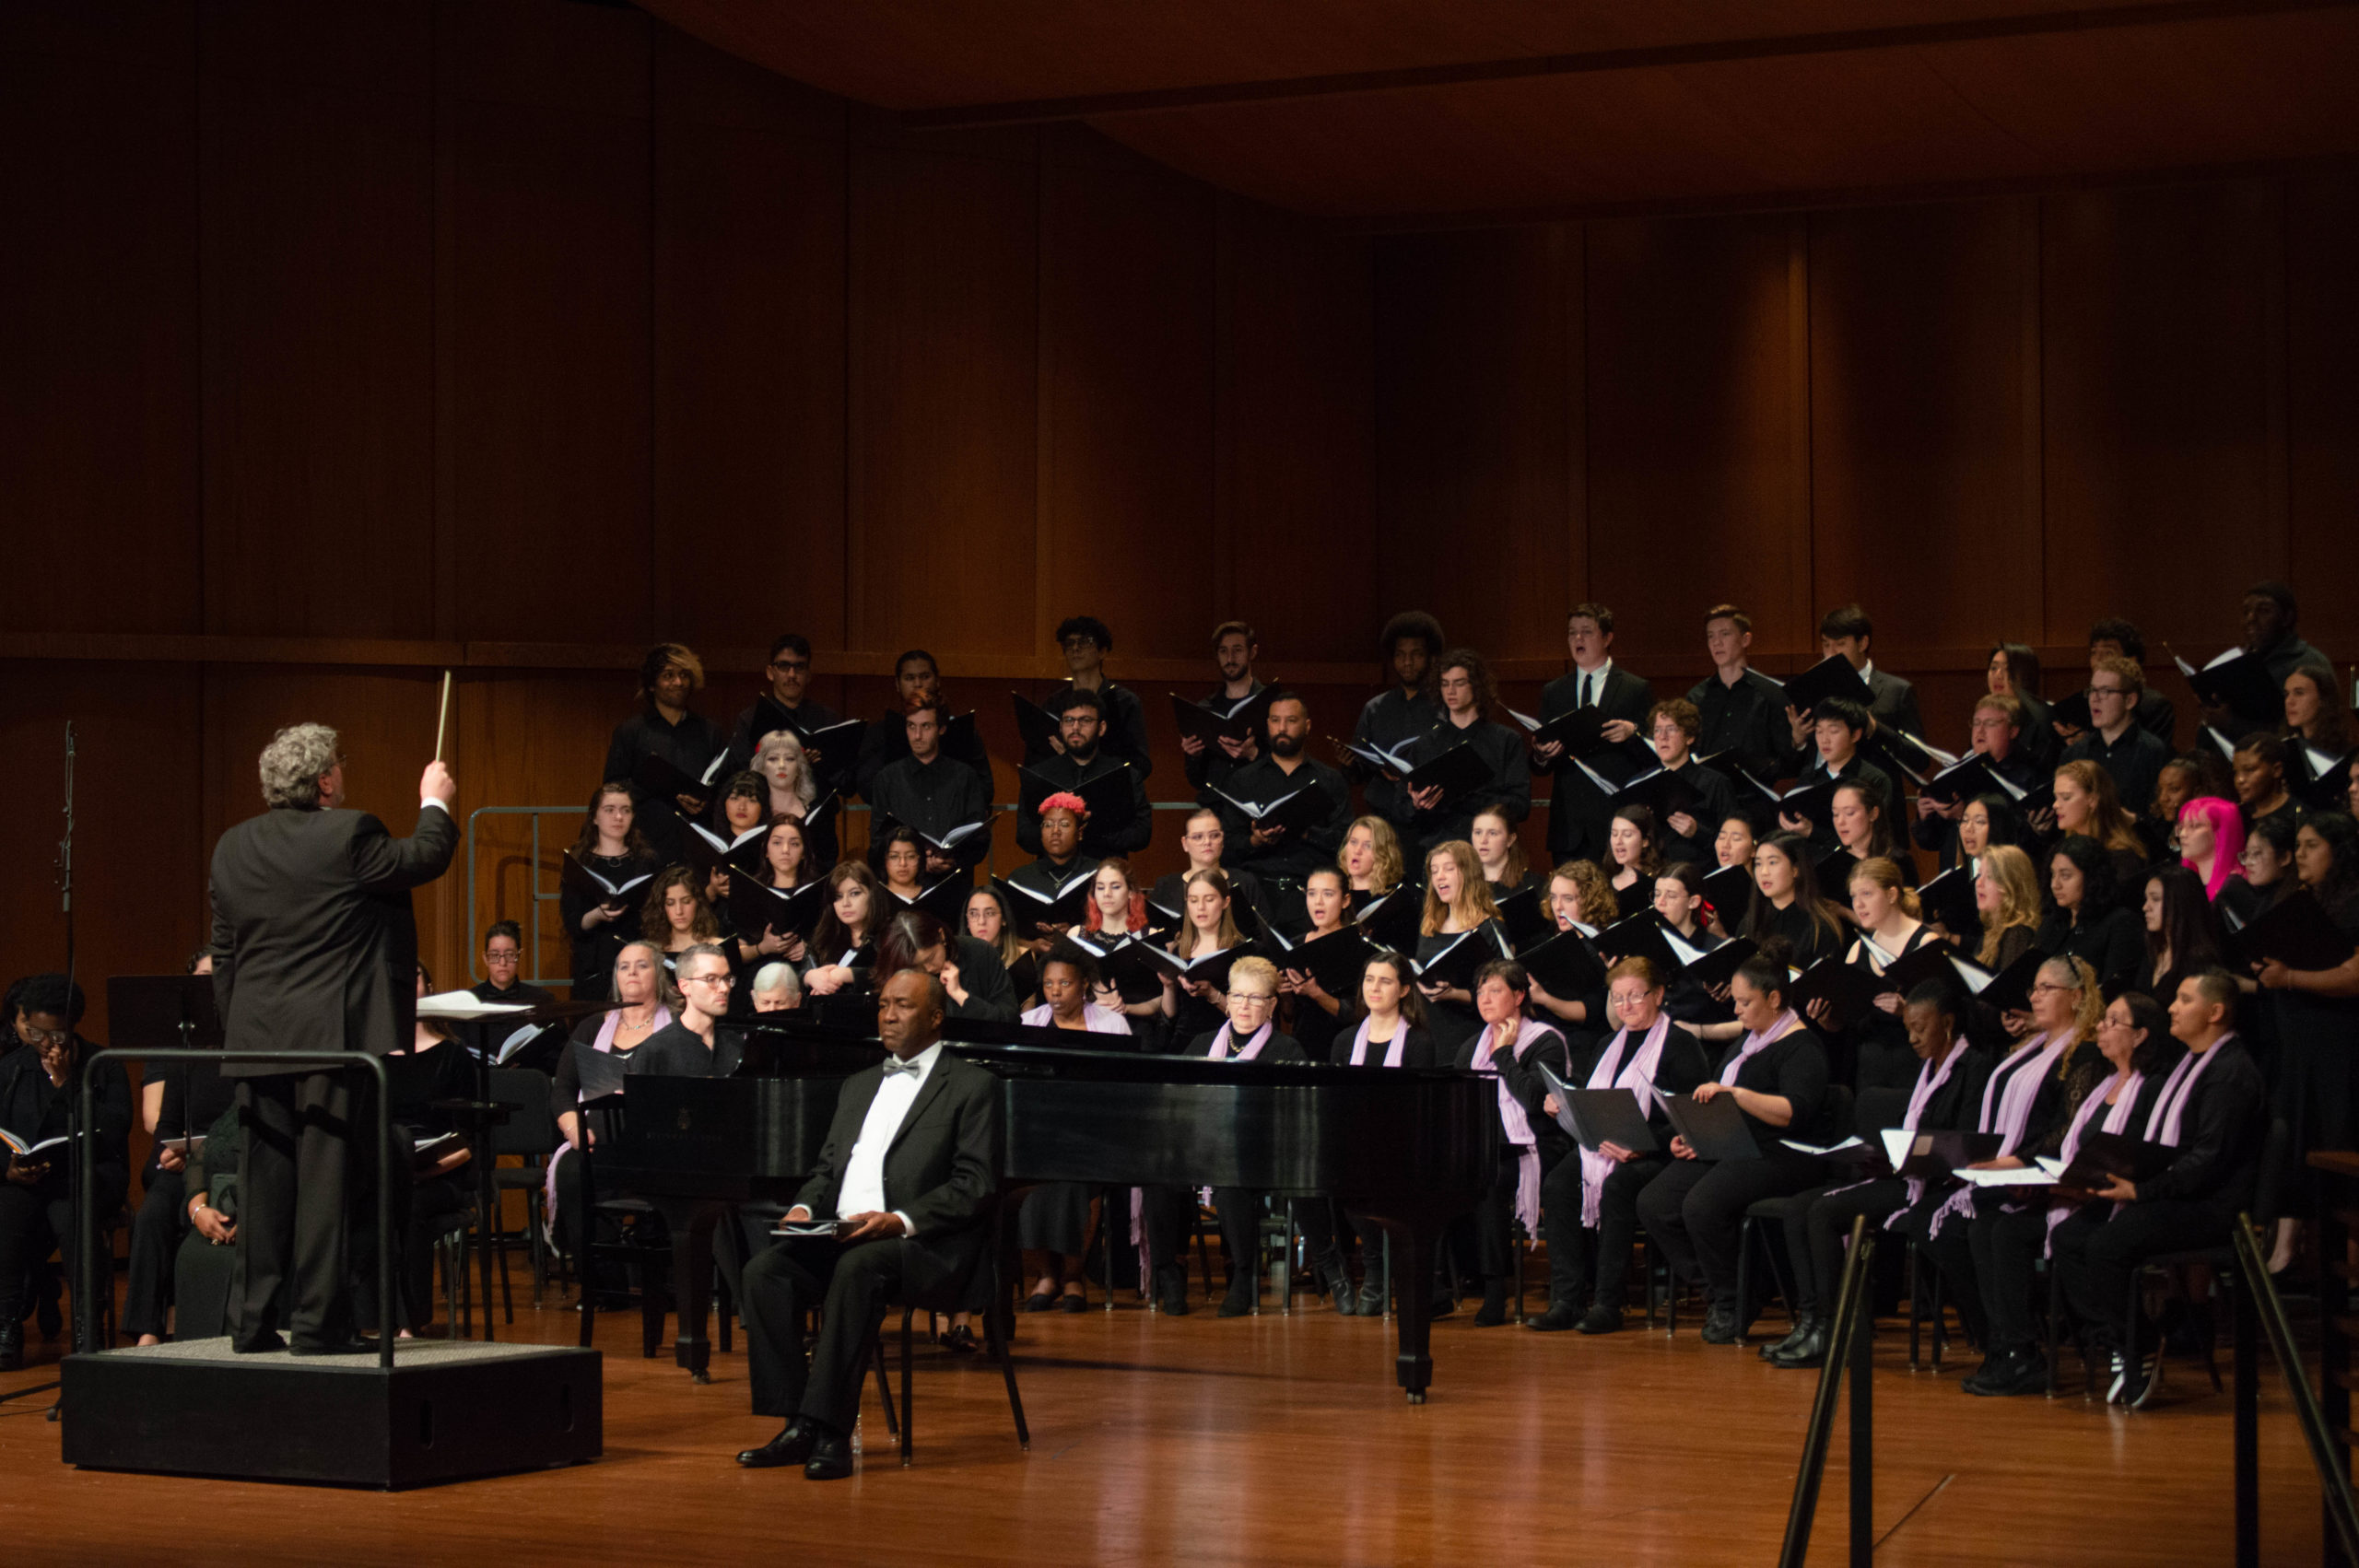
1085	641
1838	726
1741	711
1080	729
1234	649
915	675
1393	719
906	1176
2118	744
2270	619
2155	712
788	673
318	950
1849	632
666	727
695	1045
928	790
1579	814
1278	857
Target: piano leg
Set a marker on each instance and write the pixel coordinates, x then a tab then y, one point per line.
691	1225
1412	1277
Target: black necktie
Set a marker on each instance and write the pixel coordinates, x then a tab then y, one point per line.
1587	701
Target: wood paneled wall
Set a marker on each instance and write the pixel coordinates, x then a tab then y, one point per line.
1980	419
348	343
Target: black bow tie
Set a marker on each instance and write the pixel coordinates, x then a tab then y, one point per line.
894	1064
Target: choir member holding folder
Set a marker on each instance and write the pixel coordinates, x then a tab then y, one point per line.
1689	800
1775	1076
1741	712
1283	813
784	705
1459	919
1890	930
1847	634
2012	672
2212	1114
2115	740
1786	905
1837	728
667	753
1617	700
2241	689
1514	1049
1997	760
1988	1238
794	790
1567	982
1466	761
1115	817
1391	721
601	880
1053	1226
1205	842
930	791
1948	1088
1589	1203
2292	948
1196	1006
1223	729
1085	642
916	676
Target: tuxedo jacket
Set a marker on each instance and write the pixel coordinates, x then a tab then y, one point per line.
940	1168
1578	816
317	943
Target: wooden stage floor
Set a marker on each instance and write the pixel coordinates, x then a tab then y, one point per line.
1267	1440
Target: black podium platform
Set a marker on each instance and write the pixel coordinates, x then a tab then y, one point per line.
445	1411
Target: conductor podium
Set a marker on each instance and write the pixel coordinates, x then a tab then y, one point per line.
414	1414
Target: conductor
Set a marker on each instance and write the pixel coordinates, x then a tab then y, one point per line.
318	950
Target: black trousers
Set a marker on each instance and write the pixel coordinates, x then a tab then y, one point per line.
1576	1253
1992	1259
1815	1245
851	1286
34	1222
1165	1212
1696	1212
156	1233
1494	1215
306	1206
2095	1257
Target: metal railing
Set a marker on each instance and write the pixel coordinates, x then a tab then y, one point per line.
2258	1299
1850	1341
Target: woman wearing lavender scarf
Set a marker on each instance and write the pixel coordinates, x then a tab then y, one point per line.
1512	1047
2214	1109
1776	1073
1249	1036
1950	1075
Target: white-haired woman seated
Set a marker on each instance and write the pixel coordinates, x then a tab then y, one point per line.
777	988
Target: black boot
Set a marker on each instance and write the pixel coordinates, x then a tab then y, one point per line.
1719	1323
1493	1310
1338	1280
1244	1296
1603	1317
1804	1326
1371	1303
1806	1346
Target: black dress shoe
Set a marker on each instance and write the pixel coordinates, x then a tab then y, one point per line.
792	1445
1804	1327
1039	1301
2025	1372
1073	1301
1805	1348
959	1341
830	1457
1371	1302
1443	1305
261	1345
12	1347
1239	1303
1493	1310
1339	1288
1720	1326
1560	1316
1602	1318
354	1346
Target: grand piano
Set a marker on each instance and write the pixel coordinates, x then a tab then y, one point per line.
1410	1150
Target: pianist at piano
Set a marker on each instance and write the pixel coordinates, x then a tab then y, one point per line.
907	1175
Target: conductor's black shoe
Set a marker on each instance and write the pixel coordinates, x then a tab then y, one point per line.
1720	1326
831	1457
1560	1316
260	1345
354	1346
12	1347
792	1445
1602	1318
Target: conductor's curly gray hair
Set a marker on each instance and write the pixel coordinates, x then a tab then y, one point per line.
292	763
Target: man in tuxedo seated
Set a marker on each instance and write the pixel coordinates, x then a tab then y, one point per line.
1234	649
1280	858
1081	727
908	1172
1849	632
1578	816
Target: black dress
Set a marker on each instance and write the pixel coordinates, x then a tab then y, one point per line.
595	952
2317	1036
1883	1059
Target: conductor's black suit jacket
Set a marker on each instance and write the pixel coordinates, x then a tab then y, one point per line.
940	1168
317	946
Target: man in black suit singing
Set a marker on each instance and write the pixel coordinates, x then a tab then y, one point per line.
1578	817
910	1160
317	950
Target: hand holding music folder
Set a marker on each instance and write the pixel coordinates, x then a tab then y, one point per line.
1068	906
1334	961
1636	936
1566	964
1948	901
1715	1127
2105	1156
1526	917
1582	733
1297	811
1391	921
1833	676
582	879
1455	963
708	849
2296	931
665	781
1593	1117
1455	773
1934	1156
1242	724
758	909
965	845
2235	680
1037	725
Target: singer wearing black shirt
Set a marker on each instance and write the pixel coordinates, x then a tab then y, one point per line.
1081	727
1085	641
1742	713
788	673
1395	718
666	727
1279	857
1234	649
1578	815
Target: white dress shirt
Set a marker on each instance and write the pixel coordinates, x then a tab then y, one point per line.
863	1191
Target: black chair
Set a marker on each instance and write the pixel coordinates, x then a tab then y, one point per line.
530	1132
1837	1121
990	1271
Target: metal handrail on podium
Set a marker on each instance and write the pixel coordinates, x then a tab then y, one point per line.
1848	1340
2258	1298
86	1280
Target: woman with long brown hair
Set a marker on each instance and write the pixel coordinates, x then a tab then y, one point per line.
1457	901
612	850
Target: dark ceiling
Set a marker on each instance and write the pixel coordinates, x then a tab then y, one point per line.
1386	108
